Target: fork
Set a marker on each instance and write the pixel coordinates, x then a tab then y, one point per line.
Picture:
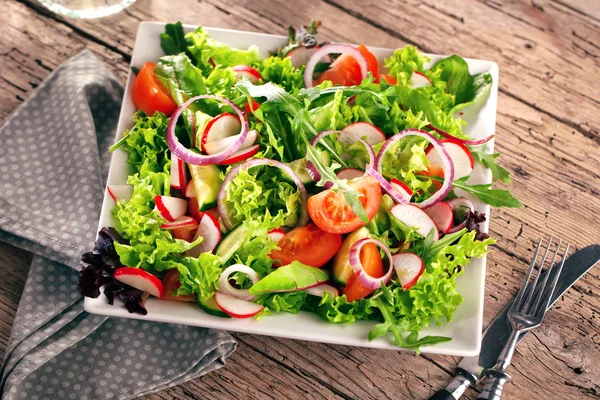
526	313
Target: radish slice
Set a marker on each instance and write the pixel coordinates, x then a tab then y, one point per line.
219	145
350	173
276	234
333	49
369	132
402	189
418	80
241	155
190	156
320	290
459	153
412	216
409	267
465	141
246	71
235	307
441	214
446	161
120	192
300	55
210	231
224	213
363	277
181	222
139	279
220	127
170	208
226	288
178	173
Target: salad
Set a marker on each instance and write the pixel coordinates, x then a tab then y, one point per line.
316	179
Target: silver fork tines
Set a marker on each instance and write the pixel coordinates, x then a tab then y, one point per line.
527	312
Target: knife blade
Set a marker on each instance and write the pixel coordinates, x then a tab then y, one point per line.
469	369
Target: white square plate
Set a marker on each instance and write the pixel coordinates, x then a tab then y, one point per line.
465	328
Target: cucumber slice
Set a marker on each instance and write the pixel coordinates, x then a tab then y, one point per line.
231	243
207	182
342	270
299	167
209	305
202	120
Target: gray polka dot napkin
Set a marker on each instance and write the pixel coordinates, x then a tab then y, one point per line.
53	166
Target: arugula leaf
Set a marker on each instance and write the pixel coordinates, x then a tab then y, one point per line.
485	193
172	41
291	277
489	161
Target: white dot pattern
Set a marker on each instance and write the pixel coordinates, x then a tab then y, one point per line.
53	166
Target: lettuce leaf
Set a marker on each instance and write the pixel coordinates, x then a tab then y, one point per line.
290	302
403	62
199	275
180	77
281	72
339	311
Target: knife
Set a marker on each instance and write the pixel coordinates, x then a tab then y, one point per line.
469	370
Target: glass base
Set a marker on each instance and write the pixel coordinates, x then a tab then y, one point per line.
86	8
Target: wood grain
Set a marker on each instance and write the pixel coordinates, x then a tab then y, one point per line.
547	132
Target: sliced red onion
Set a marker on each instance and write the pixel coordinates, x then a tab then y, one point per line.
446	161
333	49
386	186
192	157
222	207
348	138
225	286
464	141
457	227
365	279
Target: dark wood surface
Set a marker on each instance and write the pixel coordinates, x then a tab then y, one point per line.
547	131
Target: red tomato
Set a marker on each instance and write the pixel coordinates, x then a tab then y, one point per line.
372	264
344	71
372	63
388	78
149	94
307	244
170	286
331	213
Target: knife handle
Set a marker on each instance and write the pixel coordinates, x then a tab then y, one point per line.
494	385
455	389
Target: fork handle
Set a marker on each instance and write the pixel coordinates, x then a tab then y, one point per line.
494	385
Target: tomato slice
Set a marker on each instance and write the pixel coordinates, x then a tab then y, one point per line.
372	264
372	63
171	284
149	95
344	71
307	244
330	211
388	78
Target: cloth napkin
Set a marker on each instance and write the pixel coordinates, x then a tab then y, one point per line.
53	167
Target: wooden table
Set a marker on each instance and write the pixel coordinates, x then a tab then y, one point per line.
547	130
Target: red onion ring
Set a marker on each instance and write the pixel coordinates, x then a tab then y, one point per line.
365	279
446	160
191	157
464	141
333	49
225	286
386	186
344	137
222	207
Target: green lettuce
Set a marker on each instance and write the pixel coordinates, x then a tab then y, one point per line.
199	275
403	62
290	302
281	72
172	41
338	310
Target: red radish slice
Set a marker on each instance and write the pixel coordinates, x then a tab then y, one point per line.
222	144
402	189
246	71
241	155
220	127
140	279
226	288
413	216
120	192
300	55
333	49
321	289
459	153
276	234
210	231
350	173
418	80
369	132
441	214
170	208
235	307
409	267
190	190
181	222
178	173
